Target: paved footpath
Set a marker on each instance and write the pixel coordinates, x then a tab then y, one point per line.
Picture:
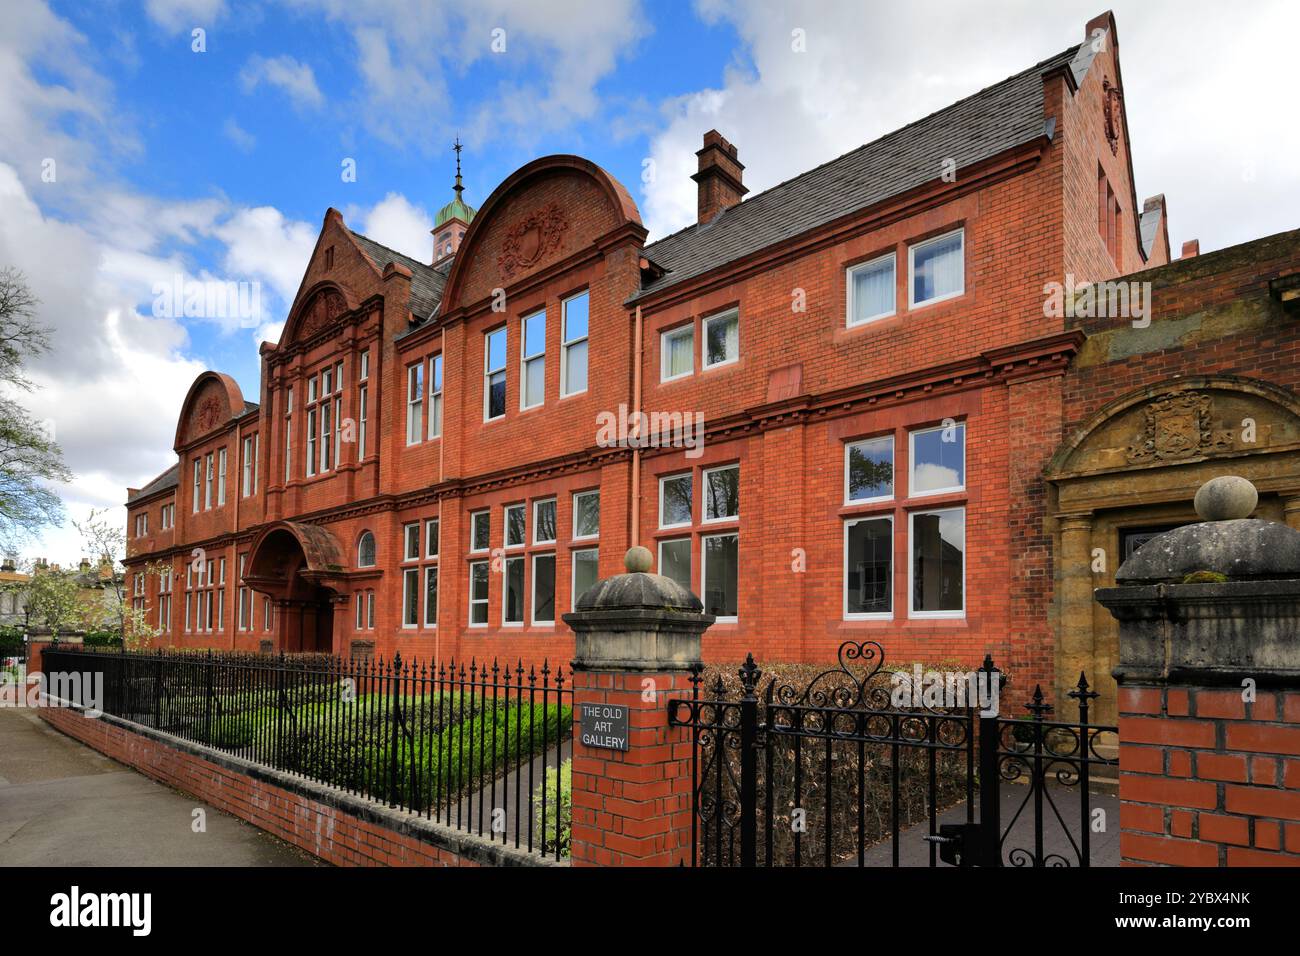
63	804
913	850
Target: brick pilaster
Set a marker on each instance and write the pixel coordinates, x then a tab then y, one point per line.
632	808
636	645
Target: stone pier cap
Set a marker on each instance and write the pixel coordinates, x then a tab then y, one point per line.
1216	601
638	621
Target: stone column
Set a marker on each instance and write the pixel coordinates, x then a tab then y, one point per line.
1209	677
1291	511
1075	653
637	643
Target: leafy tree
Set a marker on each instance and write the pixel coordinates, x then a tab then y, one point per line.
112	608
54	600
29	456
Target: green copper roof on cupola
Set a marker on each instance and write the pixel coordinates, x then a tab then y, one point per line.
456	209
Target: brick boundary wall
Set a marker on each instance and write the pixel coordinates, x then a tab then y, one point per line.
1207	779
337	827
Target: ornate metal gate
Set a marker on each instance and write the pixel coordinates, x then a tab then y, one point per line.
830	773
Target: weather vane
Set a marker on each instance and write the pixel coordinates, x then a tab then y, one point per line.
459	188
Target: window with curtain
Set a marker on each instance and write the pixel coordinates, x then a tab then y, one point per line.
871	290
677	353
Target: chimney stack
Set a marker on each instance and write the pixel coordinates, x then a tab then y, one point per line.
720	176
1191	249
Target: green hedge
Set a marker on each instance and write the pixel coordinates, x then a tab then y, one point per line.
450	743
467	751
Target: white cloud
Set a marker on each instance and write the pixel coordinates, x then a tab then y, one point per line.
408	52
262	244
116	378
294	78
397	223
244	140
177	15
789	111
92	251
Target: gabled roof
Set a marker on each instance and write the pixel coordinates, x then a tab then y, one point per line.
426	281
1001	117
168	479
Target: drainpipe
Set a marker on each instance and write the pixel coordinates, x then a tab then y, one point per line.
442	446
636	447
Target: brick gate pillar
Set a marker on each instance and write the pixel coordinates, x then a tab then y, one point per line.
637	643
1209	689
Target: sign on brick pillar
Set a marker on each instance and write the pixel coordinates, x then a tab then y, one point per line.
1209	699
637	643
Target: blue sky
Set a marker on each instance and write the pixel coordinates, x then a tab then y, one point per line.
219	165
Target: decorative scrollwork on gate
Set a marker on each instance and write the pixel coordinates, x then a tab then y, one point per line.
822	772
852	684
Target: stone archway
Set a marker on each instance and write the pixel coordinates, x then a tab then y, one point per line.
1133	468
297	566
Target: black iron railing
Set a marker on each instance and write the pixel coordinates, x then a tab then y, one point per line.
477	747
831	773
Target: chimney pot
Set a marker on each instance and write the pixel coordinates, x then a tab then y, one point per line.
720	177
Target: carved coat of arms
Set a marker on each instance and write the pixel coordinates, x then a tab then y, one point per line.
206	416
533	237
1178	427
326	306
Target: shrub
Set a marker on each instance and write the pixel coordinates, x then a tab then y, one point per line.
102	639
557	804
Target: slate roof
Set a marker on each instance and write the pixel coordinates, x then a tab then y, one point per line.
426	281
168	479
441	270
1003	116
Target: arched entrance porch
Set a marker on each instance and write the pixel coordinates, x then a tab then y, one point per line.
1132	470
298	567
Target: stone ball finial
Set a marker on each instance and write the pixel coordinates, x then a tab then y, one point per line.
638	560
1226	498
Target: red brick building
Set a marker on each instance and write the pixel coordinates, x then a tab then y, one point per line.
430	468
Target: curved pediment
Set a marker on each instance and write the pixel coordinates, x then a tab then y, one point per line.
1181	421
543	213
318	308
213	400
